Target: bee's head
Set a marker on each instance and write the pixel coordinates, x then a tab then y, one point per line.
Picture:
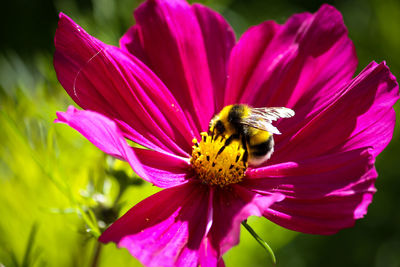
217	125
221	123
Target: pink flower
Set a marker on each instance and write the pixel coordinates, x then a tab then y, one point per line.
178	66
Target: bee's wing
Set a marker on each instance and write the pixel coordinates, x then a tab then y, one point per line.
259	124
262	118
272	114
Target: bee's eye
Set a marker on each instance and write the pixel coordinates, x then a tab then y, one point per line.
219	126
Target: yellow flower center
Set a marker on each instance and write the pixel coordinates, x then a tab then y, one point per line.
216	166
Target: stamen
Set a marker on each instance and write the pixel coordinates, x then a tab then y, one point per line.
216	163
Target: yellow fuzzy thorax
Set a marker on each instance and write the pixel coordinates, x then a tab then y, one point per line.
223	116
214	168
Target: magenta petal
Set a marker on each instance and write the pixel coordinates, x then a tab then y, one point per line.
361	115
302	63
376	125
323	195
187	47
313	178
163	170
219	40
107	80
245	57
165	229
325	217
103	133
208	256
131	43
230	208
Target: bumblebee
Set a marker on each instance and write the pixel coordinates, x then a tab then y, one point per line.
252	126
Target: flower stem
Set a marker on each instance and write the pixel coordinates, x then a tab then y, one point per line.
96	256
260	241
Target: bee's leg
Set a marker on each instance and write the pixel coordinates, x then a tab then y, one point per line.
246	151
215	134
211	131
227	142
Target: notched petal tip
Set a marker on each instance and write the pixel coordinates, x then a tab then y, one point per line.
62	117
392	78
62	15
329	8
65	21
362	208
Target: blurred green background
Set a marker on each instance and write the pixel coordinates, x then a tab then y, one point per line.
54	183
